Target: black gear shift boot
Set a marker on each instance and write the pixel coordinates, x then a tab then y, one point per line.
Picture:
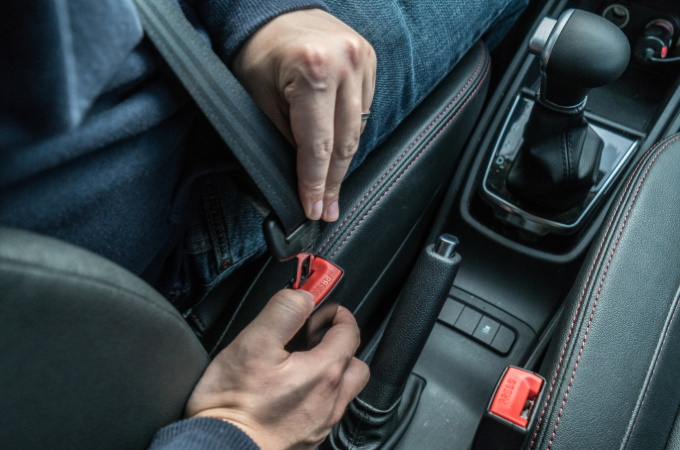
369	428
558	161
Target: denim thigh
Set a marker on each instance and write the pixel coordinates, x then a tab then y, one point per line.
225	232
418	42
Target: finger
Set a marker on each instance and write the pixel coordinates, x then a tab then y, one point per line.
354	381
311	121
368	86
346	134
340	342
282	317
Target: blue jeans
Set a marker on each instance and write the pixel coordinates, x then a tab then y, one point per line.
417	43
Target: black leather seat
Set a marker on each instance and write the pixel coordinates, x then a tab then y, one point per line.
92	357
612	368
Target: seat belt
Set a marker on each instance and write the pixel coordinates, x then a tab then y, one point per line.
253	139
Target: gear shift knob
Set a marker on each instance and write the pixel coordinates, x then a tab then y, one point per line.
578	51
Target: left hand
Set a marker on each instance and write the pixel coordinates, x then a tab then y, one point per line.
283	400
313	76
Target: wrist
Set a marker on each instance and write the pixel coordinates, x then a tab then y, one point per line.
238	420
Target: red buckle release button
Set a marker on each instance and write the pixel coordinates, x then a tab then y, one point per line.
316	276
515	396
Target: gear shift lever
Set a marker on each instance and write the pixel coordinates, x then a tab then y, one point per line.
558	162
580	51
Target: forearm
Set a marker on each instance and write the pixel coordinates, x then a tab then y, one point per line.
231	22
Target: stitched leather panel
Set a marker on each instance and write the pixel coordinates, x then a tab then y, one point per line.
612	368
379	211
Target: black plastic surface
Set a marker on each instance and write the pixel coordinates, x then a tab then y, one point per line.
461	375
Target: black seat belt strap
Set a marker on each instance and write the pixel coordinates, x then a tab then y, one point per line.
253	139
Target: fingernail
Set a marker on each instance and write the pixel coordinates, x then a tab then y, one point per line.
317	210
333	212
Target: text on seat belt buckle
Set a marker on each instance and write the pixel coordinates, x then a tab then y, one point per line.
511	412
316	276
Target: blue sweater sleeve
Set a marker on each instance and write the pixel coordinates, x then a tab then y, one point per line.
231	22
202	433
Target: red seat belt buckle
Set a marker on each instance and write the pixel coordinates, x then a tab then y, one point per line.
316	276
511	412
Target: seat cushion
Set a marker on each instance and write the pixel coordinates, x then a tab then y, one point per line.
612	368
92	357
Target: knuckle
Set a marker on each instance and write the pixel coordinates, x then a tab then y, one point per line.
365	372
370	54
312	189
332	190
349	146
334	374
316	63
336	416
357	50
353	49
291	302
322	150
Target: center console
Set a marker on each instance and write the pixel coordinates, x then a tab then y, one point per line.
524	223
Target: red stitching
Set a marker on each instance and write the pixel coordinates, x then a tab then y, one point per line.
583	292
651	376
410	164
599	290
387	172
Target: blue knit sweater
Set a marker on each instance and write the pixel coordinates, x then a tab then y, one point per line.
92	137
92	134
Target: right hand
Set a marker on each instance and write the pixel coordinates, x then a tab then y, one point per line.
313	76
281	399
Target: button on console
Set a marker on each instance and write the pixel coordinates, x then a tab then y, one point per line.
486	330
468	320
503	340
450	312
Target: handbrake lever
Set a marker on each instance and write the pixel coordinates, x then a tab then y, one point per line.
378	417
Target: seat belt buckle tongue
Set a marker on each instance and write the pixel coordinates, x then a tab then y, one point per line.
511	412
284	246
316	276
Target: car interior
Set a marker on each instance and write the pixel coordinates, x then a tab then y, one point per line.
510	254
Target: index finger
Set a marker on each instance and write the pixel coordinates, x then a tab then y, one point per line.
312	123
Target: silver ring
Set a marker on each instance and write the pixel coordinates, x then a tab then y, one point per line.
366	115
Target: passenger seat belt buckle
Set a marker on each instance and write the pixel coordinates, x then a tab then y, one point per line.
318	277
511	412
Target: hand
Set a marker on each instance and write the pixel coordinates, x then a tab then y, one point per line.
313	76
280	399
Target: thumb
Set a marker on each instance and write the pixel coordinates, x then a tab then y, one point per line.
283	316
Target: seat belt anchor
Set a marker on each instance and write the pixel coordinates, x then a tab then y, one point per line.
511	413
284	246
